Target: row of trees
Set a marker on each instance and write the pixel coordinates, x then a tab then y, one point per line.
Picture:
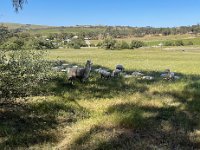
102	32
178	43
14	41
112	44
119	32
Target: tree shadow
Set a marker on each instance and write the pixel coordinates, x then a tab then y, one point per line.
26	124
169	129
95	87
151	127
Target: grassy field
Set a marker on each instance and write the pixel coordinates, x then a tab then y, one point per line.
152	40
117	113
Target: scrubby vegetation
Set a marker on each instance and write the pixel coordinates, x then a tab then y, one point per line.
21	70
111	44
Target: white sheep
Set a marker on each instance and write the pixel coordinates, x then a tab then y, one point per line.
128	76
169	75
116	72
137	74
148	78
104	73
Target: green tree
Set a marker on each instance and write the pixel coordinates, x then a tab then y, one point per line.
4	33
124	45
109	43
21	70
14	44
169	43
136	44
77	43
179	43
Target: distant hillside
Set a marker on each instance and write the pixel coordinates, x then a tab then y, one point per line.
12	26
97	32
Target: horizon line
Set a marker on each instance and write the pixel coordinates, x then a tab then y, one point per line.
93	25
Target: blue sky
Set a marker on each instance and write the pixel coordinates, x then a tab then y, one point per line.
156	13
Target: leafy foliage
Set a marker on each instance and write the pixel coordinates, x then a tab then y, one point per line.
136	44
179	43
169	43
4	33
77	43
20	70
124	45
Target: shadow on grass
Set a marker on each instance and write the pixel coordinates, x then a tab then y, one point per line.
97	88
151	127
26	124
169	129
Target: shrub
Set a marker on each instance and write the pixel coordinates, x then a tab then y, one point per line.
21	72
99	44
76	46
4	33
92	45
118	45
168	43
41	44
109	43
190	43
179	43
136	44
124	45
77	43
14	44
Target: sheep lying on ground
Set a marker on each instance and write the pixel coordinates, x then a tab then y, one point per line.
148	78
137	74
79	73
104	73
116	72
57	68
169	75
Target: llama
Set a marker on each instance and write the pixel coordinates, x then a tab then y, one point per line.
80	73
